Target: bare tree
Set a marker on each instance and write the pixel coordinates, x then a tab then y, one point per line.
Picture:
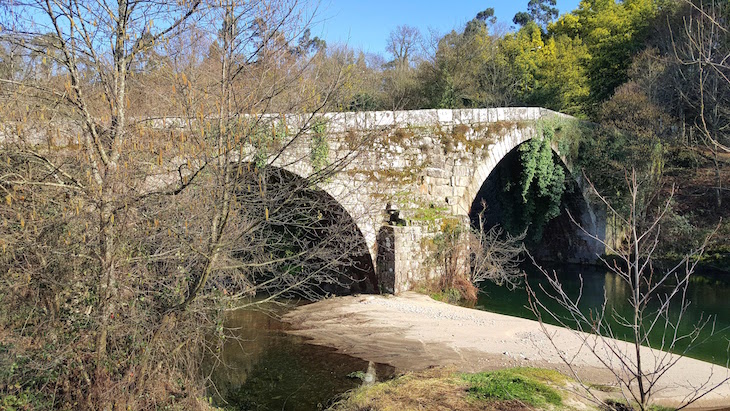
702	59
403	44
658	301
496	255
400	87
86	41
126	233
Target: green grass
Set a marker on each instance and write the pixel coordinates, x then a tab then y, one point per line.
22	400
514	384
442	389
542	375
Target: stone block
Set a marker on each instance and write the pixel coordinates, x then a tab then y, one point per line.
442	181
438	161
445	116
459	191
481	115
361	120
351	122
436	172
467	117
440	192
371	120
422	118
462	171
462	181
383	119
400	118
517	113
298	121
492	115
336	122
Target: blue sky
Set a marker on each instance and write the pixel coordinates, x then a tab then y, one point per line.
365	24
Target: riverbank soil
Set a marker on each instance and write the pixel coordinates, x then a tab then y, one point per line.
413	332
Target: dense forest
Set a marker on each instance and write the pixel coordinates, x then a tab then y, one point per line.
123	244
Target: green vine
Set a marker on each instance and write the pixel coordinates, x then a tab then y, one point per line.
264	138
542	183
320	149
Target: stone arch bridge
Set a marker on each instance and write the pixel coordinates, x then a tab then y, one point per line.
424	165
427	165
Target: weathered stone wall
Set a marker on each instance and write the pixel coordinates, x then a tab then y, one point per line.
425	163
412	259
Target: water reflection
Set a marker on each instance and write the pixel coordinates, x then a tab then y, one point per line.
267	369
706	300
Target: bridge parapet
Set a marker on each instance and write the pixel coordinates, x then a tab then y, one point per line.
369	120
341	122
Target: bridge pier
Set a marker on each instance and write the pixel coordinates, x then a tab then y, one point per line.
402	260
406	254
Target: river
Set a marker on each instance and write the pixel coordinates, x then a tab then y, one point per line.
268	369
708	297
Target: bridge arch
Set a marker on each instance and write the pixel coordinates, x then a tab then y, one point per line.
317	223
584	212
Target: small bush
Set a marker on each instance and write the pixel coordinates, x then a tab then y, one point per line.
682	158
23	400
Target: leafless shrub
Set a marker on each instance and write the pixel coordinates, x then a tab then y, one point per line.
496	255
659	303
467	256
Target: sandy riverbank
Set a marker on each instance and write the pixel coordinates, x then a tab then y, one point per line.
414	332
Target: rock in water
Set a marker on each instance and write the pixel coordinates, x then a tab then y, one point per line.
369	377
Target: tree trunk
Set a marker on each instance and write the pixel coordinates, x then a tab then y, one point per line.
718	179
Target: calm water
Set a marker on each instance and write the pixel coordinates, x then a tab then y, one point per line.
707	297
268	369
